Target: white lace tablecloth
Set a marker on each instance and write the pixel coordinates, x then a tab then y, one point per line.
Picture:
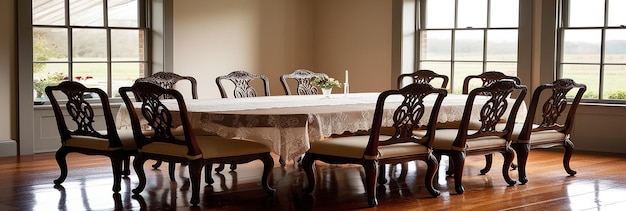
289	123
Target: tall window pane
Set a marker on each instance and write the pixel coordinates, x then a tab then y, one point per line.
126	45
49	12
437	45
616	13
86	13
472	14
586	13
443	18
123	13
89	45
585	74
615	86
581	45
502	45
504	13
615	43
469	45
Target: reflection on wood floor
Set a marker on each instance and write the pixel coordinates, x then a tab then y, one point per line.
599	185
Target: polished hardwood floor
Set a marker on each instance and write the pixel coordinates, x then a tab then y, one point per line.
26	184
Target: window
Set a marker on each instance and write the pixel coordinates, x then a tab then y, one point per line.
592	47
100	43
467	37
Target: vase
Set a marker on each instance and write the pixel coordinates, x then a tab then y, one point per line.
326	92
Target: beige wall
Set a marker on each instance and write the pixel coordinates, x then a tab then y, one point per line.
8	71
215	37
274	37
354	35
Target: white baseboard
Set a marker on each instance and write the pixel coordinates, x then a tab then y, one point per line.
8	148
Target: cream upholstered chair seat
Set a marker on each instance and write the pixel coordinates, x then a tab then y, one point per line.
536	137
211	147
90	142
445	138
354	147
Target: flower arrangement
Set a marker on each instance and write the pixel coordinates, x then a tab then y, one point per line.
39	85
325	82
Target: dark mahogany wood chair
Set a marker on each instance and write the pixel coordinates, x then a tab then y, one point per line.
375	149
557	119
198	151
303	78
424	76
81	136
241	80
481	80
168	80
487	139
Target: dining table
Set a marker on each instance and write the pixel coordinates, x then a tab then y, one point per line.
289	123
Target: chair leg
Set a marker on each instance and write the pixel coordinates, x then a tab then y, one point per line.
208	179
171	168
433	167
371	171
569	151
307	166
195	172
219	168
457	159
116	163
382	168
141	174
509	155
488	163
268	165
60	157
157	164
522	157
126	165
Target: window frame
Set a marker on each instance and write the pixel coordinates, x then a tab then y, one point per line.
143	28
420	22
562	15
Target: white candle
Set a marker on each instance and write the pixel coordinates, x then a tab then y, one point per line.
346	76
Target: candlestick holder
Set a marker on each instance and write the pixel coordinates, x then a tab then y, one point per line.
346	89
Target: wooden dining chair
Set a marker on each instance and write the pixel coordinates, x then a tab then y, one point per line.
481	80
487	139
556	117
303	78
198	151
168	80
375	149
81	135
424	76
241	80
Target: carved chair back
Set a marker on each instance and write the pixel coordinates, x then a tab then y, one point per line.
303	78
241	80
423	76
487	78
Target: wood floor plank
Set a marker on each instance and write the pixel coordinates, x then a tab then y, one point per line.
599	185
